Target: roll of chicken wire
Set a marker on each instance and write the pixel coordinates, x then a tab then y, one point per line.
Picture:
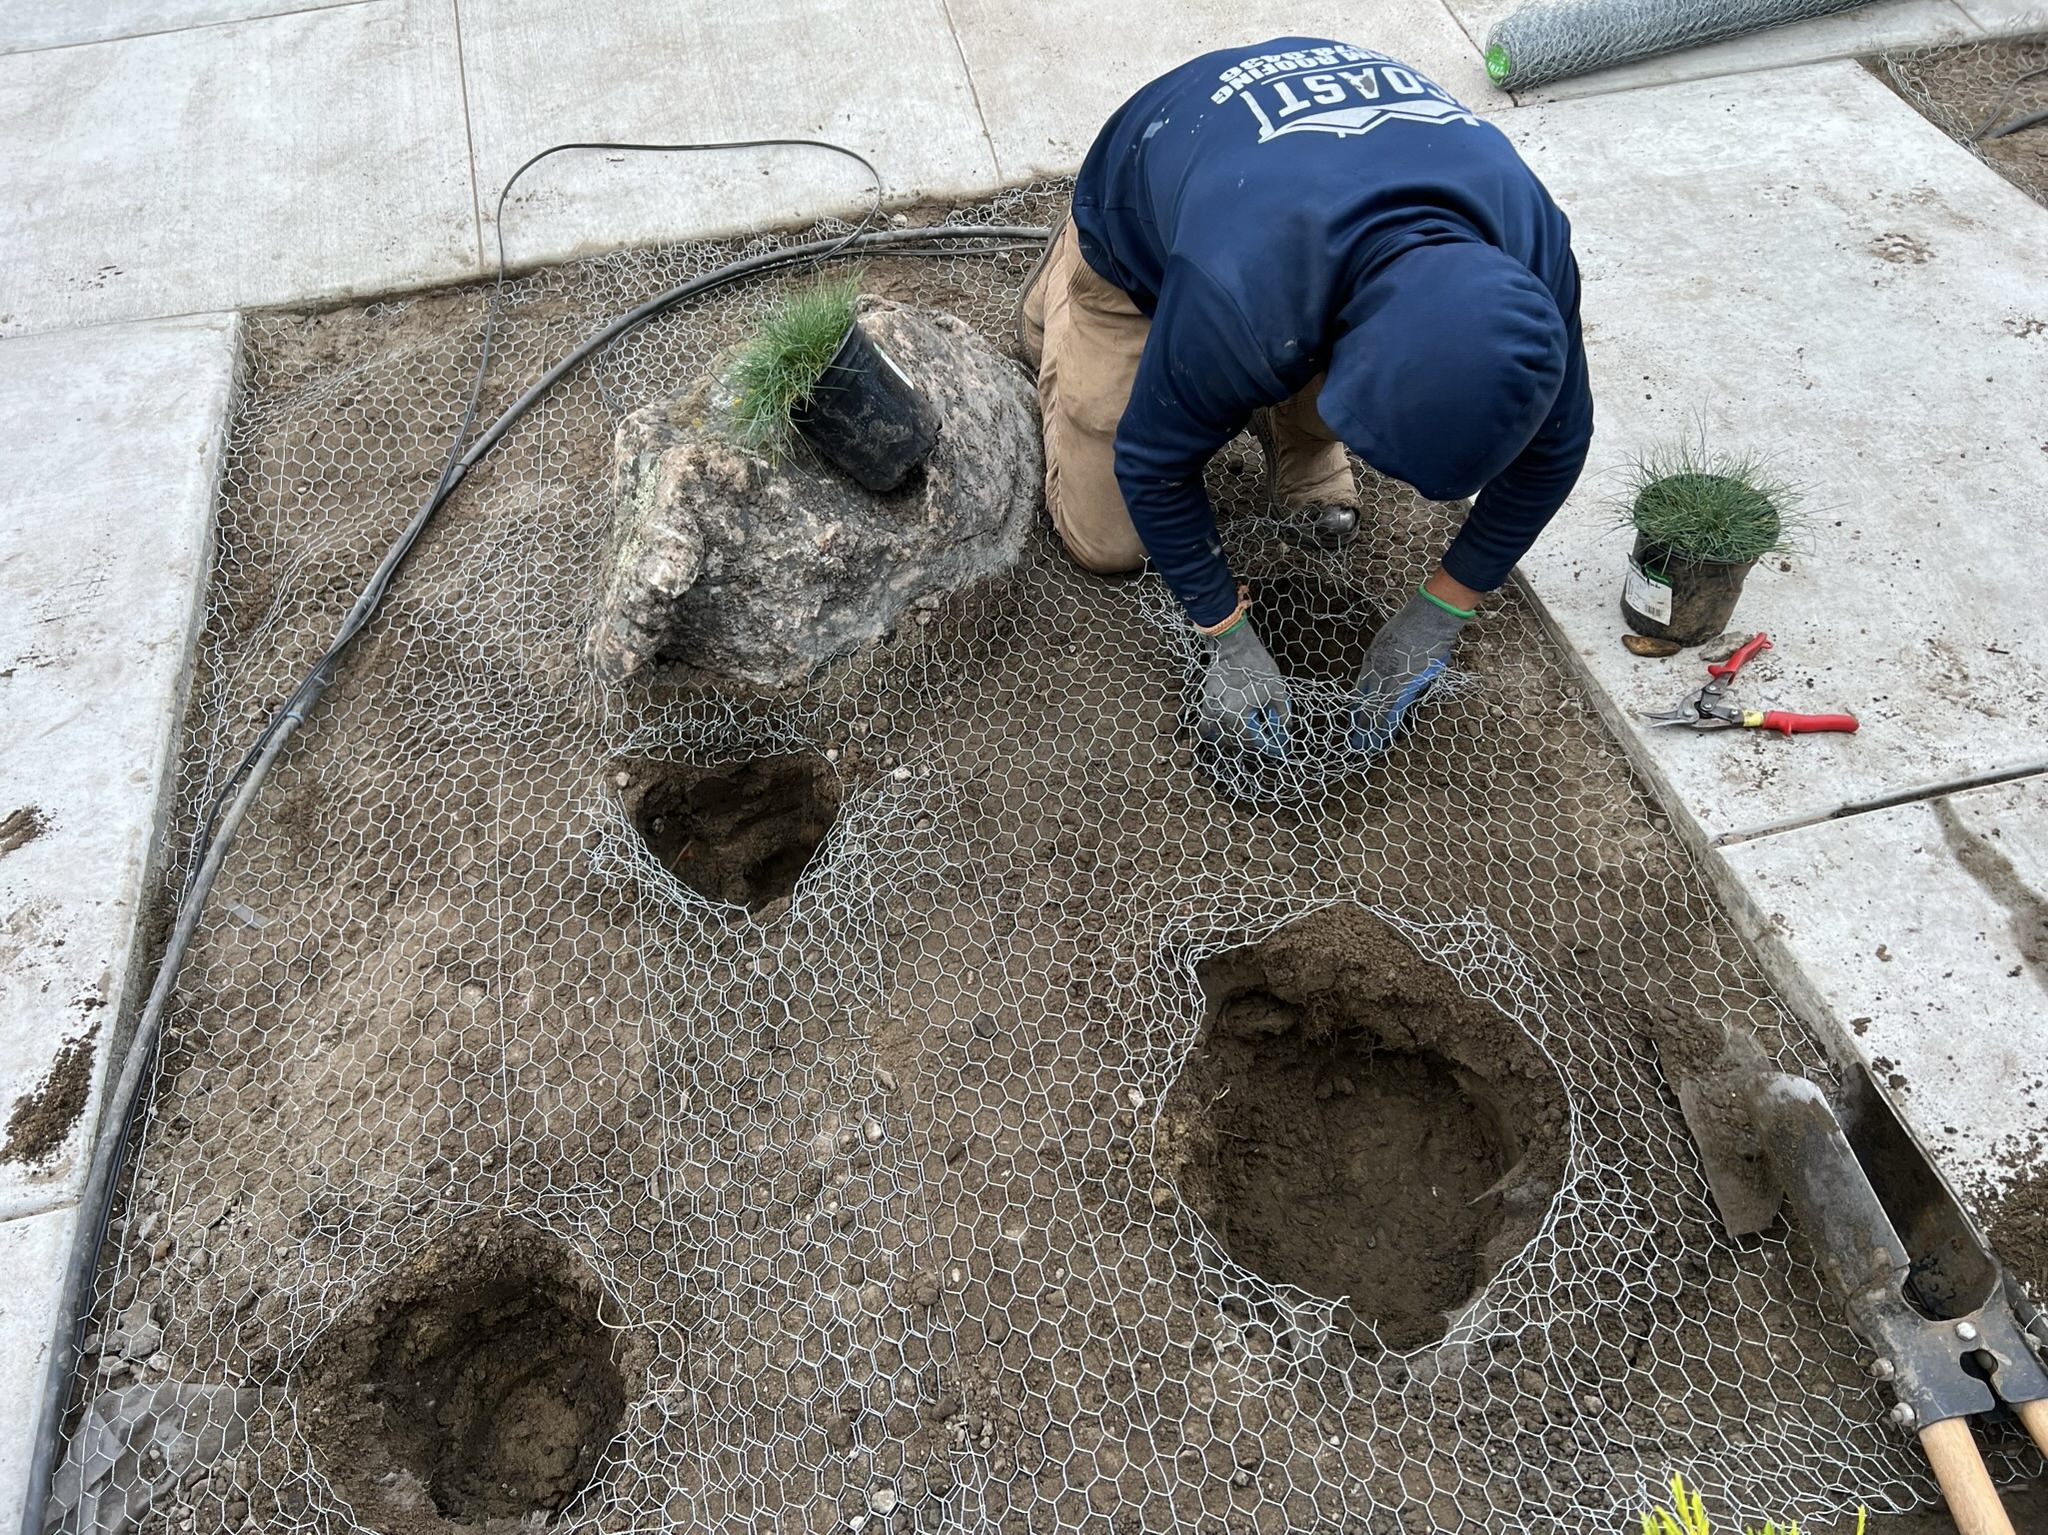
1553	40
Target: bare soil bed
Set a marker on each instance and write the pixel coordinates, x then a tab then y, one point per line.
910	1190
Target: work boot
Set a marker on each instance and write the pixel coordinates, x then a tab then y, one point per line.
1324	525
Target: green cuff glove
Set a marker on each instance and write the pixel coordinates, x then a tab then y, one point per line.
1243	697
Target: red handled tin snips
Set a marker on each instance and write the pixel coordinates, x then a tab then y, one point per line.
1707	708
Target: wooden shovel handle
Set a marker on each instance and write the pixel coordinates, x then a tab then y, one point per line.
1959	1467
2035	1416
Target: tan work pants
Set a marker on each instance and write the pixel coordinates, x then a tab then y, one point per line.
1085	335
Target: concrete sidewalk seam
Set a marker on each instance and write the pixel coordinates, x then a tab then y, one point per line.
196	26
1913	796
974	93
476	210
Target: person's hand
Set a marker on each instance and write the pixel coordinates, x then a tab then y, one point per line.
1244	698
1404	660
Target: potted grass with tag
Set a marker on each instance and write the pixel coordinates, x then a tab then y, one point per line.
1702	519
811	371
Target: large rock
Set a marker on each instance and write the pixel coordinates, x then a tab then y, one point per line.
764	570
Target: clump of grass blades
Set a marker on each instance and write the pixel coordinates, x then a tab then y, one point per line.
1726	507
775	370
1686	1514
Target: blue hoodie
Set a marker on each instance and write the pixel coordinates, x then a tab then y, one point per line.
1303	206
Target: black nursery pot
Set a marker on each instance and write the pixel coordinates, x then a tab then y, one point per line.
865	417
1671	596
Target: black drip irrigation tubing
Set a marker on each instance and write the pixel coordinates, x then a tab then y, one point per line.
225	814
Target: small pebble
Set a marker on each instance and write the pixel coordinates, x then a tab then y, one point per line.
623	780
883	1501
885	1079
1135	1098
831	754
900	773
872	1132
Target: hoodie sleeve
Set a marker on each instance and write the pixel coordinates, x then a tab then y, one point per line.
1520	501
1199	379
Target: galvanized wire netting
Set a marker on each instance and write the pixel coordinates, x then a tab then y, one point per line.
495	1171
1990	97
1551	40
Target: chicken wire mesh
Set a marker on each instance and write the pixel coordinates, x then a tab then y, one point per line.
494	1171
1990	97
1550	40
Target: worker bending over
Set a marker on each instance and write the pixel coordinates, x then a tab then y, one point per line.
1312	239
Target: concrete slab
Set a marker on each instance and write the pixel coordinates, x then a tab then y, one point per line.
1796	263
32	1253
107	476
882	77
313	155
62	23
1867	29
1921	934
2007	18
1048	75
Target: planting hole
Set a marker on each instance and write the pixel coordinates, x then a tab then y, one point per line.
1354	1125
480	1384
1316	633
742	833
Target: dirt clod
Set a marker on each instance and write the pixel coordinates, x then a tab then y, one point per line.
482	1377
742	833
20	827
1649	645
43	1116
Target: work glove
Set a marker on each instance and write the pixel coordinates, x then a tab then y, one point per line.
1410	652
1244	698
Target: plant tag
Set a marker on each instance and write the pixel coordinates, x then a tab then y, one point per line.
1646	594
